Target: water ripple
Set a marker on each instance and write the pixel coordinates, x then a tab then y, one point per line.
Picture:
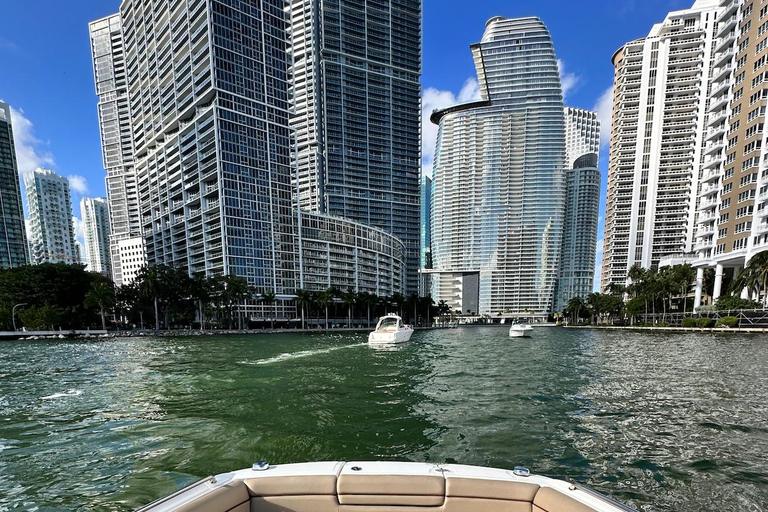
663	422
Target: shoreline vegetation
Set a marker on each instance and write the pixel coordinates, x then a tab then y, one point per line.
60	297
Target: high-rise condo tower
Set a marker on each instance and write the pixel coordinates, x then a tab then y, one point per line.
356	69
13	236
499	179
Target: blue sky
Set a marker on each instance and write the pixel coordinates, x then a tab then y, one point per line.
46	72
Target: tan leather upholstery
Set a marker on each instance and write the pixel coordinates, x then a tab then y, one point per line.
481	495
316	503
490	489
383	493
386	508
484	505
391	499
392	484
391	490
549	500
224	499
292	485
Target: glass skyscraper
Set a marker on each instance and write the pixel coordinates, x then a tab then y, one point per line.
109	69
582	206
13	237
207	88
357	113
208	104
499	181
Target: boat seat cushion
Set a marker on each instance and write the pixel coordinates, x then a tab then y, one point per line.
481	495
391	490
550	500
306	503
292	485
315	493
232	497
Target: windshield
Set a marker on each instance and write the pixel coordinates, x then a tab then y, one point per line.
388	324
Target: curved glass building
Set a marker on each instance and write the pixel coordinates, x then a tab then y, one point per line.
499	182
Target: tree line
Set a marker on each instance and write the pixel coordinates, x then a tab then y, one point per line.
61	296
654	293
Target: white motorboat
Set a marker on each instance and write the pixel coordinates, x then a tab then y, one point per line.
520	331
390	329
382	487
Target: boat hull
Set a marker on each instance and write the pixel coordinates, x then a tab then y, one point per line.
313	486
520	331
390	338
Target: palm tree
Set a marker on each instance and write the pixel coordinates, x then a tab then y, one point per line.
368	299
267	298
303	299
235	292
754	276
323	299
574	307
201	291
150	285
413	300
102	295
684	275
398	299
349	299
443	309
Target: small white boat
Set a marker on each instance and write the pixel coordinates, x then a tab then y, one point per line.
520	331
390	329
382	487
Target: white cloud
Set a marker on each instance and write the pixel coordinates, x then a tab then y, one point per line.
30	151
432	99
79	233
604	108
79	236
78	184
568	81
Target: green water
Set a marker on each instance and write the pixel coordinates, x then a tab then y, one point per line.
662	421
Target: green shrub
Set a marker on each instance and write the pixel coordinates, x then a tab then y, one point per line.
704	322
689	322
731	303
662	324
727	321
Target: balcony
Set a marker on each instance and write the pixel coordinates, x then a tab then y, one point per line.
728	9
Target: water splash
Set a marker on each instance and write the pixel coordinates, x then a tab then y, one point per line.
71	392
288	356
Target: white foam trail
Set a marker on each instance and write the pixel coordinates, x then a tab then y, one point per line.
287	356
71	392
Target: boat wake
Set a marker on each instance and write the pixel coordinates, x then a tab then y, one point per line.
288	356
71	392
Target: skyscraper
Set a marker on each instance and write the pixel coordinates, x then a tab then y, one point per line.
732	213
13	237
582	205
51	230
210	137
207	109
95	217
109	70
661	84
425	260
357	113
499	181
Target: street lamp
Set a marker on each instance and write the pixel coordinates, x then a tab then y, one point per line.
13	314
